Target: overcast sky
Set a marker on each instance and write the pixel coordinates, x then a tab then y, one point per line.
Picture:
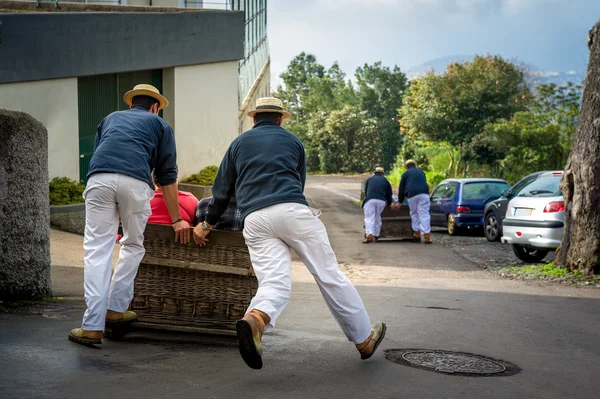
550	34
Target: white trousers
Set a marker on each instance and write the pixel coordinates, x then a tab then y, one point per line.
108	197
373	209
269	234
419	213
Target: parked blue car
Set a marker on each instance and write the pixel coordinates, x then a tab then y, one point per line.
459	203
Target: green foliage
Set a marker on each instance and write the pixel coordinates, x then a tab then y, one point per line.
64	191
456	106
380	92
312	92
550	271
347	141
206	177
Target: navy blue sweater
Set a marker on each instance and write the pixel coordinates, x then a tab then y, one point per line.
134	142
378	187
264	166
413	182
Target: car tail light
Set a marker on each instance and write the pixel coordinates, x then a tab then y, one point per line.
463	209
518	234
555	206
557	173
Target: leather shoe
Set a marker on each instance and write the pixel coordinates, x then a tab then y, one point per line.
85	337
369	346
249	332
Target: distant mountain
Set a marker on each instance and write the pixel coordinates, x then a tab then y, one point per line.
437	65
536	75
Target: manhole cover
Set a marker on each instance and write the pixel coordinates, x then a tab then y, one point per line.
458	363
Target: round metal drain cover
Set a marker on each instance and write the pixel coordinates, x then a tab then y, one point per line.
458	363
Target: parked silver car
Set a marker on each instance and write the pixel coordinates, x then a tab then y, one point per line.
535	218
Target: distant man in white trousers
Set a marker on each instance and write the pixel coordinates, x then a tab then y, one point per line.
266	168
413	185
378	194
129	145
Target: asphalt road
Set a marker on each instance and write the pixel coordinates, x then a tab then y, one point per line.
429	296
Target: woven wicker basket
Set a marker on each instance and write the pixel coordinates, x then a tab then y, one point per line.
396	224
191	288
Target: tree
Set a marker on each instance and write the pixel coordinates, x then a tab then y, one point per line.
516	147
310	89
380	92
456	106
580	185
347	140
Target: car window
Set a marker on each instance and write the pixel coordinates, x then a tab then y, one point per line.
516	189
450	191
437	194
483	190
543	187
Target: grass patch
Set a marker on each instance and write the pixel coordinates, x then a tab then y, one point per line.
549	271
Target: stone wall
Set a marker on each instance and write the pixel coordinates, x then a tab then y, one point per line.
24	208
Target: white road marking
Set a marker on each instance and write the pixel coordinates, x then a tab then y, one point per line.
338	193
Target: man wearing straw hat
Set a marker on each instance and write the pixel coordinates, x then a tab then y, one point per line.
266	169
129	145
413	186
378	194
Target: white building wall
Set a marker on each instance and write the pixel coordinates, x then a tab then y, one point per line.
204	114
54	104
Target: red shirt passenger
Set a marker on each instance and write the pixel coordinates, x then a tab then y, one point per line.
160	214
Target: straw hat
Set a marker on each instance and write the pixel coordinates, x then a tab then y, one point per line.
410	162
146	90
269	104
379	169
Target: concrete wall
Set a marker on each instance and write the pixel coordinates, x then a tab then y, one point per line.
54	104
40	46
205	113
261	88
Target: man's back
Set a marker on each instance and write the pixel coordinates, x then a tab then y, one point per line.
132	142
267	166
413	182
378	187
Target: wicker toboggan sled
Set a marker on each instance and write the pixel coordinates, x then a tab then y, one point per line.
190	288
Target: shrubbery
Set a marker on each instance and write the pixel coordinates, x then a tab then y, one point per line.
64	191
206	177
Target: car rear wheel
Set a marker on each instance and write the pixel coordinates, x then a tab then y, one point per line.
529	255
492	228
453	229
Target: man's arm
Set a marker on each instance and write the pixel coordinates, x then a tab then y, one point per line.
223	188
166	176
402	188
302	168
388	194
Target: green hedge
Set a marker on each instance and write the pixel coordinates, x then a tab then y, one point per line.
64	191
206	177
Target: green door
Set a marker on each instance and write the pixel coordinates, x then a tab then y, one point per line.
99	96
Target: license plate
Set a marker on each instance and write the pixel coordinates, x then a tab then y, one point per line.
522	211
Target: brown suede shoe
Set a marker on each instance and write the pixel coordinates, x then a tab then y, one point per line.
85	337
249	332
115	319
368	348
427	238
368	239
416	236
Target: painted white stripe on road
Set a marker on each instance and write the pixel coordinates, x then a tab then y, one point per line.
338	193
